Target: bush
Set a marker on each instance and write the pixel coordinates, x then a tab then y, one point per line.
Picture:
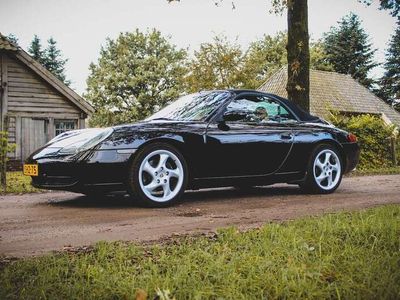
5	148
373	136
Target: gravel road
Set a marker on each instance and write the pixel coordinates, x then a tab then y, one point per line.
34	224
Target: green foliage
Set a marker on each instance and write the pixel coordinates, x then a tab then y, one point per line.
36	51
318	57
51	57
392	5
54	62
136	74
349	51
5	148
342	256
390	82
221	64
373	136
216	65
17	183
13	38
263	58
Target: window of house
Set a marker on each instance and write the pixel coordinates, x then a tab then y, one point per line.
64	125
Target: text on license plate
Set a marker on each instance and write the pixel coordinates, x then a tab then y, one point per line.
31	170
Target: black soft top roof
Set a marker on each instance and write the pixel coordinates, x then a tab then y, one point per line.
300	113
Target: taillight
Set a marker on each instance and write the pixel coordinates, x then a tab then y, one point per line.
351	138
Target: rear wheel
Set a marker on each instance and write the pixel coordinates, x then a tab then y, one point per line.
324	172
158	175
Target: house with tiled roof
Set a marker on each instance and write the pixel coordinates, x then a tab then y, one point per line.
35	105
331	91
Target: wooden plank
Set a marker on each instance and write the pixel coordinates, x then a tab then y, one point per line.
51	131
34	95
13	63
18	138
45	115
17	70
36	84
22	75
4	82
32	109
39	100
44	105
33	90
16	80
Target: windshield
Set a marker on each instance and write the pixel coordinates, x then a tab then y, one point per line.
193	107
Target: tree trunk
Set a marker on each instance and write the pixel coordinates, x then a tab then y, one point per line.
298	54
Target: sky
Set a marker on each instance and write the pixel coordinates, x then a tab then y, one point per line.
81	26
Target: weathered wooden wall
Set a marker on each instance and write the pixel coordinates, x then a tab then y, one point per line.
31	104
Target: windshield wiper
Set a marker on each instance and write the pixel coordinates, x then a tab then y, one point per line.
169	119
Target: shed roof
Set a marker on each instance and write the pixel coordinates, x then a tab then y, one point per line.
19	54
331	91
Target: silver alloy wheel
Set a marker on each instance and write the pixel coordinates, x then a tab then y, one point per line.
327	169
161	175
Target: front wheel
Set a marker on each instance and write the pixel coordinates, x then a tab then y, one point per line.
158	175
324	172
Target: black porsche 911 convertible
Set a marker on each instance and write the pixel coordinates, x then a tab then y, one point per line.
209	139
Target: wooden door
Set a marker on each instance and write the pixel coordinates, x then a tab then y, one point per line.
33	135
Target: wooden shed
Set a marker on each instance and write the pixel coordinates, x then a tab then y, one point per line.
35	105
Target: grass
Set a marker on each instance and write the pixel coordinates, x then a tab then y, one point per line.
18	183
343	256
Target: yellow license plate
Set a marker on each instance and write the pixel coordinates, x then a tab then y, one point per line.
31	170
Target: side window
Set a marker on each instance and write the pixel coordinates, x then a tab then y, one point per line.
257	109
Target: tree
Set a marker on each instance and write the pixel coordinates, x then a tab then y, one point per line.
136	74
35	50
51	58
216	65
390	82
298	53
267	55
349	50
54	62
12	38
392	5
263	58
319	58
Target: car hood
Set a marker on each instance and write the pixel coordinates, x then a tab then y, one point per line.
159	125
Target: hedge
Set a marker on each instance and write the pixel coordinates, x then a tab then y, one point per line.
373	136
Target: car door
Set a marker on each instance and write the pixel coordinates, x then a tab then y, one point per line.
249	138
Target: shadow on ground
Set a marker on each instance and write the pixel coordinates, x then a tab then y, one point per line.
122	200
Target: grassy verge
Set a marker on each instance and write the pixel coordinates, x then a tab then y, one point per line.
17	183
382	171
344	255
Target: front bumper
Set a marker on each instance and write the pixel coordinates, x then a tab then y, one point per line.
103	169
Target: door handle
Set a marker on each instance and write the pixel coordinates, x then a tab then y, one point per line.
286	136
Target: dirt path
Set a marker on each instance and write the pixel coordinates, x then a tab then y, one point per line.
38	223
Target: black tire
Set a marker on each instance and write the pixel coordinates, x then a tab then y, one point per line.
134	184
311	183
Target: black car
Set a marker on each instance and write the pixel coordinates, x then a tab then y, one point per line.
235	138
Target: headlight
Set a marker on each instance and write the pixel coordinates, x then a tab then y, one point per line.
80	140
